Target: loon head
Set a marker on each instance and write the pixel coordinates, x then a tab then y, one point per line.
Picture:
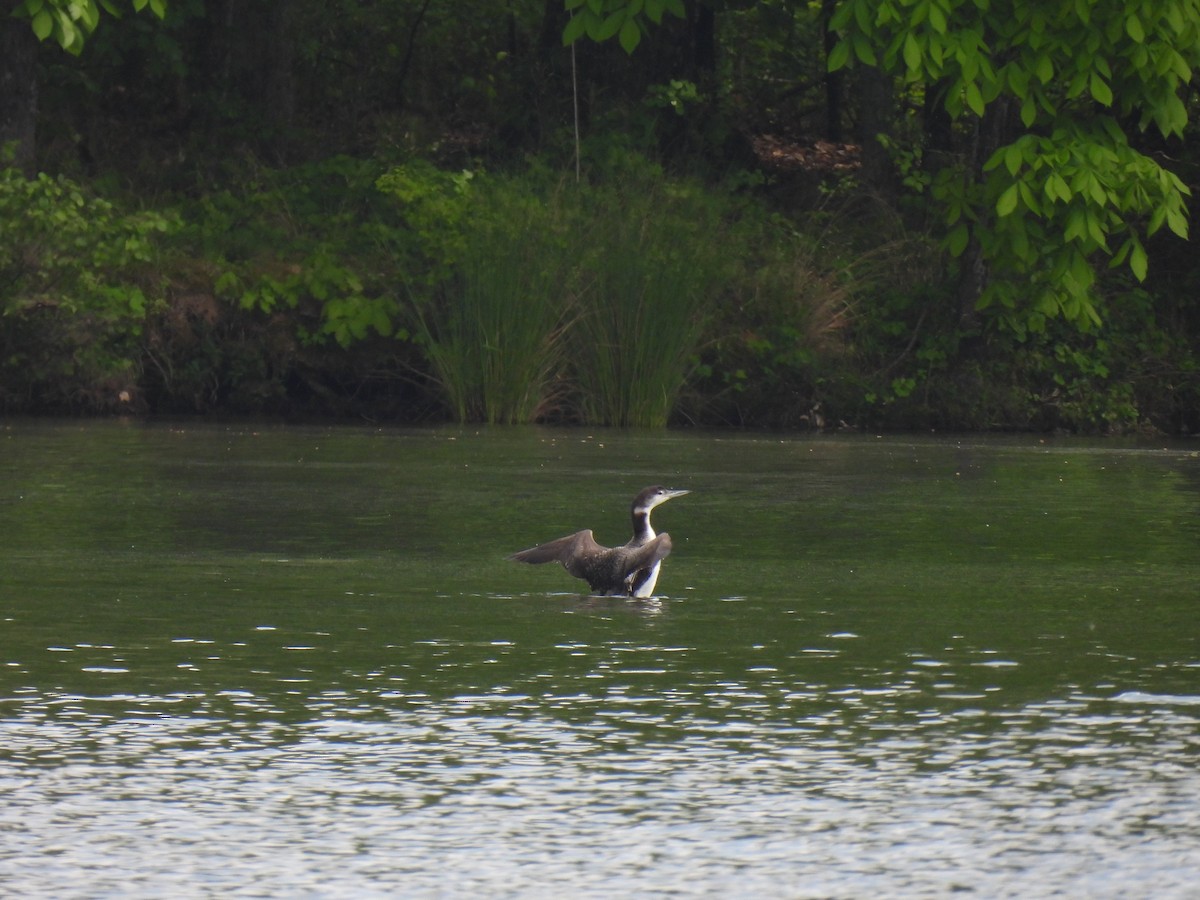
652	497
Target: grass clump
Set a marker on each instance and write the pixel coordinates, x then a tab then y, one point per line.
494	329
569	302
652	272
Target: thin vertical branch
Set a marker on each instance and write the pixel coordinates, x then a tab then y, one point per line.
575	103
411	48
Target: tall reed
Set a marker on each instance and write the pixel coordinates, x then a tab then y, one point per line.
649	277
496	339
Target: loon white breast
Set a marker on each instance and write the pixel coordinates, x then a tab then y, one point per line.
630	570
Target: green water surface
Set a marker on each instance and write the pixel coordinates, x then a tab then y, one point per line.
293	661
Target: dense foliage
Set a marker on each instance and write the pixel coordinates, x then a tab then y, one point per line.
868	213
1054	180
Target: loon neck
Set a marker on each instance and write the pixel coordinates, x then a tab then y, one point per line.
642	529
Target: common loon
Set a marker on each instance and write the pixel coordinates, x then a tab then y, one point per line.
630	570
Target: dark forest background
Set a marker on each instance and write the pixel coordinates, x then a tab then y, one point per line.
753	213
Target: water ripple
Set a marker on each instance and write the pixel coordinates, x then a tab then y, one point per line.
728	797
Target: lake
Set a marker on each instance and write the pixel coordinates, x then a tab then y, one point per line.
269	661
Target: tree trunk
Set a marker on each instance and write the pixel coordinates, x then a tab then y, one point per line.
549	40
279	90
704	46
939	128
833	80
992	132
875	118
18	92
410	50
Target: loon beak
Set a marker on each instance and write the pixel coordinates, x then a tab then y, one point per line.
666	495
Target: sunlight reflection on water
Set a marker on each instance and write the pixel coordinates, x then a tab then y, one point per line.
633	796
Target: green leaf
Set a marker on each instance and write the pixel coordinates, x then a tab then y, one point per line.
1019	241
630	35
1028	198
912	53
42	24
575	28
1013	157
937	53
1101	92
937	18
1177	221
1180	67
226	283
594	23
1081	271
610	26
1157	217
1044	69
863	50
1171	116
862	15
838	56
1057	188
1076	225
1028	112
1008	200
69	37
1018	81
974	98
1138	263
1133	27
956	240
841	16
90	16
1096	232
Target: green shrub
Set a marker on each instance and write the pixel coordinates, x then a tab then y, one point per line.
75	288
316	240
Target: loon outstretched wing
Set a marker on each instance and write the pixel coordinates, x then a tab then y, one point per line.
574	546
607	570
